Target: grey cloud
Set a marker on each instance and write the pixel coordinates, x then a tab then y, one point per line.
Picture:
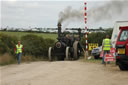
109	11
102	13
26	13
45	13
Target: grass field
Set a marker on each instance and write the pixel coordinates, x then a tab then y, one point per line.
20	34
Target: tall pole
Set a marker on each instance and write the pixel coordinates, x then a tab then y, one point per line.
86	36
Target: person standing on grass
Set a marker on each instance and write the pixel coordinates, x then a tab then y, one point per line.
106	47
18	50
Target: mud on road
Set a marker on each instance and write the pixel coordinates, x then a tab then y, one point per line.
62	73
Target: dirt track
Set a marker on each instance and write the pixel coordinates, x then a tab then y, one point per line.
62	73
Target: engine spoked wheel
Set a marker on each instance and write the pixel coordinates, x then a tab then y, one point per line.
50	54
76	50
67	53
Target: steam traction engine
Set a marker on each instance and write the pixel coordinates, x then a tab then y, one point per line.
67	47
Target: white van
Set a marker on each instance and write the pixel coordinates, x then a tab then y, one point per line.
116	31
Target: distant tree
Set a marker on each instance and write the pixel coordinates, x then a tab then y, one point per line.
109	32
100	28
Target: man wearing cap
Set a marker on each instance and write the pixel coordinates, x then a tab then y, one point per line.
18	50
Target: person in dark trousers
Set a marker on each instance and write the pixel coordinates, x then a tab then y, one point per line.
106	47
18	50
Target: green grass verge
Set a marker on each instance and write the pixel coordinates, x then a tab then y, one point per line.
5	60
98	61
20	34
93	60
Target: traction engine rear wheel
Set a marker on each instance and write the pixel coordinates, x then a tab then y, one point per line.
76	50
67	53
50	54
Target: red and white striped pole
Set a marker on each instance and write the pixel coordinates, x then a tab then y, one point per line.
86	36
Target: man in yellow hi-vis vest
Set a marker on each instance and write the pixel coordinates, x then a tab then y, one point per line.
18	51
106	46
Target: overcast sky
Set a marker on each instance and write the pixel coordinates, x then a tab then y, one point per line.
44	13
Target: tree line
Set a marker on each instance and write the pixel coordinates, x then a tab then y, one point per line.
97	37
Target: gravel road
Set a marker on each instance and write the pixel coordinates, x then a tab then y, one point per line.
62	73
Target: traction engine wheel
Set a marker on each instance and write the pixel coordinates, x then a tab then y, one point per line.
75	50
50	54
67	53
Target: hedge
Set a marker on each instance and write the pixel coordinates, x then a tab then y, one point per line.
35	48
97	37
7	44
36	45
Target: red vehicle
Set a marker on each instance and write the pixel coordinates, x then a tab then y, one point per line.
122	48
